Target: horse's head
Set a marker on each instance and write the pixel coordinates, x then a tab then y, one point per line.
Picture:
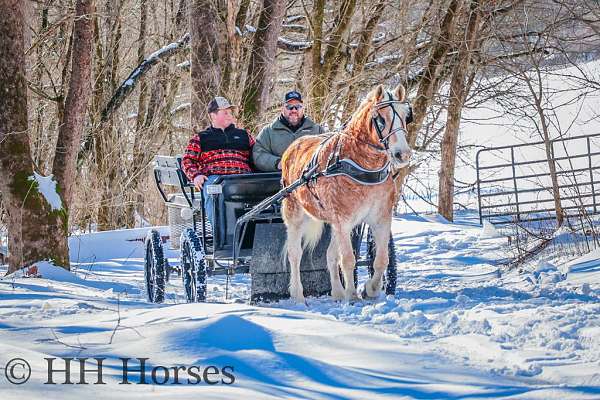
388	114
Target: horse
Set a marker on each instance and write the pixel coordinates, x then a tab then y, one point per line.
375	140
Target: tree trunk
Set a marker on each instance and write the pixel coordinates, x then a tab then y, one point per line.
36	231
71	127
549	151
141	56
324	71
458	92
260	68
139	125
107	155
428	84
39	138
360	57
205	69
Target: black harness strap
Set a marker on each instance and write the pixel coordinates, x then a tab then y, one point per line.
336	166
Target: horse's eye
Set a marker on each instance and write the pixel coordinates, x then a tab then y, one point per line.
380	121
409	115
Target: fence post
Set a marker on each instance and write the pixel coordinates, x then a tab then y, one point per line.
589	149
514	172
479	186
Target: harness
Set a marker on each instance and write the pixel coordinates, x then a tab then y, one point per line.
345	166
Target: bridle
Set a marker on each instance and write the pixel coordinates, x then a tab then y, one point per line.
379	122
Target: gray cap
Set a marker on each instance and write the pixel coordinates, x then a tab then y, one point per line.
219	103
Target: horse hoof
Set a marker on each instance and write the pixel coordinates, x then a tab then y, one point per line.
337	295
299	300
364	294
297	293
350	297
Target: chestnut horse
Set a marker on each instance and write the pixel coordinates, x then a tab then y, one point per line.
375	138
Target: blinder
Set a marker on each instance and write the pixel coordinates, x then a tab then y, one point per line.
379	121
409	116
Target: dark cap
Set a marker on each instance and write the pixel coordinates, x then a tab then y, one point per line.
293	95
219	103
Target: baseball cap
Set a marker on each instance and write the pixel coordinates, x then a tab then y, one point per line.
293	95
219	103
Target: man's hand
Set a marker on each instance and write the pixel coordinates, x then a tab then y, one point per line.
199	181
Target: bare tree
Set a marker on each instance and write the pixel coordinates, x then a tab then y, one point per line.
430	78
259	77
71	127
326	52
37	231
361	55
459	89
205	71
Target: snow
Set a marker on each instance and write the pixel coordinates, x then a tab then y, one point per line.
459	325
300	44
489	231
185	64
47	187
181	107
159	52
46	270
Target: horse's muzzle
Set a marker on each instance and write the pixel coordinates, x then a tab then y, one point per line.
403	156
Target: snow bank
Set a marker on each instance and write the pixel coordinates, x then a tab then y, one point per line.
46	270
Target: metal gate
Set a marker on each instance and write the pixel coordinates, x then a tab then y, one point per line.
514	182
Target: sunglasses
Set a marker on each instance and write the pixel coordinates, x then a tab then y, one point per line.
294	106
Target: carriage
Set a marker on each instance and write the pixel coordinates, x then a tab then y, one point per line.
248	237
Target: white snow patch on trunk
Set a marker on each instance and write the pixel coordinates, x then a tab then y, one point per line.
47	187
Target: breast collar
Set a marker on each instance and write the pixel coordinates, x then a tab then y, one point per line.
345	166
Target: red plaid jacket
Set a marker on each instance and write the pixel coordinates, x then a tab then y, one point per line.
216	151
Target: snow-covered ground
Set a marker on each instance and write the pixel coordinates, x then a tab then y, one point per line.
459	326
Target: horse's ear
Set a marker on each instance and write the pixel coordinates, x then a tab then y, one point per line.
377	93
400	92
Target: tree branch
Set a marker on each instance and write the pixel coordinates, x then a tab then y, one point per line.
129	84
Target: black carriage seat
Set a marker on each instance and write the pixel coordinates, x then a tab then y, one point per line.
239	193
250	188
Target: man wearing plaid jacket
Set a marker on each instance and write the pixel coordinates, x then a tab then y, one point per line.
220	149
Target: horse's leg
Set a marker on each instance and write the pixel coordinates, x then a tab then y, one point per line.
337	290
293	218
348	261
381	236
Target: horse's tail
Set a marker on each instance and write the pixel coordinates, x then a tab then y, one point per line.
312	234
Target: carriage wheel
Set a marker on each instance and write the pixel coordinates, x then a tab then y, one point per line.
391	273
154	268
193	266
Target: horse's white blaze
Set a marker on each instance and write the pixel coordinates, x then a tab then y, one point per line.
400	145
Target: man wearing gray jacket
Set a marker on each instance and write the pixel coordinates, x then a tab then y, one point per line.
275	138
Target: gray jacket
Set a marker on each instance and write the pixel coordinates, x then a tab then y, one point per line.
275	138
